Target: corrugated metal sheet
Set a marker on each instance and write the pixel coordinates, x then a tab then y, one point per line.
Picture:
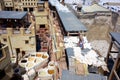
12	14
67	75
70	22
116	36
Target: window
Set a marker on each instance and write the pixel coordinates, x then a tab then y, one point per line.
23	53
42	26
17	50
28	3
10	3
30	9
6	3
26	42
16	9
4	39
25	9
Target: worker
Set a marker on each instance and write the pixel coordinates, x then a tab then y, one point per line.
81	42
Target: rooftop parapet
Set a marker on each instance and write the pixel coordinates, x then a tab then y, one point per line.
22	31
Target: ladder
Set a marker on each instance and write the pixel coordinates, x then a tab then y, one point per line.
115	39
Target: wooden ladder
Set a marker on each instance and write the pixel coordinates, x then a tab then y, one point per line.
116	65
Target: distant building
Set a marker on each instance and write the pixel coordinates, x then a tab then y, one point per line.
113	5
9	5
83	2
41	15
18	5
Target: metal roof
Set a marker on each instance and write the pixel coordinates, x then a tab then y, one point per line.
69	52
54	2
12	15
70	22
41	2
116	36
67	75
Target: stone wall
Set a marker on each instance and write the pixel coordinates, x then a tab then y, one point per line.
98	27
100	20
115	21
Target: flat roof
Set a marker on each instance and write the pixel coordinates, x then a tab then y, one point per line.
94	8
71	22
12	14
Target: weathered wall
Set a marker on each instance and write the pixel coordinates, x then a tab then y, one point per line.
96	20
98	27
116	22
24	41
6	61
117	28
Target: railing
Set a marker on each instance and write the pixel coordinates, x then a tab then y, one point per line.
3	31
15	31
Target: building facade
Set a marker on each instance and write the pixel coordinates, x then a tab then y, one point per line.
41	16
20	5
8	5
20	42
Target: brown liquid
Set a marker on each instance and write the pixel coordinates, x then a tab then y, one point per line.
38	55
51	65
44	56
51	71
30	59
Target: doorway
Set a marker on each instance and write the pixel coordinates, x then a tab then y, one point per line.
30	9
42	26
17	50
25	9
23	53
